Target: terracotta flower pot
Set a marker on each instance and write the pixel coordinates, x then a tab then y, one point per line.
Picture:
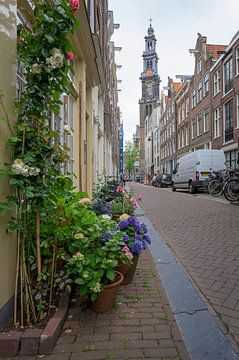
127	270
107	297
116	216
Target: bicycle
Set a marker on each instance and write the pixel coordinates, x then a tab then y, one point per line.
231	188
217	181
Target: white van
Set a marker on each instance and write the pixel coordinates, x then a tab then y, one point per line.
192	170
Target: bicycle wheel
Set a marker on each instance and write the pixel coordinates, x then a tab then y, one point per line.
231	190
215	187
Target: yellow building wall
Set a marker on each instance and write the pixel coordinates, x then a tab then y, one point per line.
8	89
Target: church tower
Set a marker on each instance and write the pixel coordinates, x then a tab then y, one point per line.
150	88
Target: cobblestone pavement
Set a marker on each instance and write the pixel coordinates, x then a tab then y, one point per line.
141	326
204	236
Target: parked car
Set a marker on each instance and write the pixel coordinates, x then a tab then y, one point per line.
163	180
192	170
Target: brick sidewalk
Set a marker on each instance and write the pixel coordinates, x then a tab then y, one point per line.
141	326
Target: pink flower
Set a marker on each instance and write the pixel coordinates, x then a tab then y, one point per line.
140	197
134	202
125	248
120	189
75	4
70	55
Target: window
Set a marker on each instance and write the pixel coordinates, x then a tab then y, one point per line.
217	120
179	140
21	82
216	82
183	111
237	61
193	97
228	79
199	65
199	124
206	84
179	115
68	135
187	106
228	134
194	128
186	135
231	159
199	92
182	141
238	110
206	119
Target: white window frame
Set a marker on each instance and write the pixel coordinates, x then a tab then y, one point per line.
199	91
193	97
216	82
194	127
186	135
206	84
206	110
216	121
182	138
237	60
187	106
199	129
225	91
237	95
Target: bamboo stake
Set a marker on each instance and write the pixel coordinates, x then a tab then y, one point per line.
16	278
52	277
38	242
30	294
21	293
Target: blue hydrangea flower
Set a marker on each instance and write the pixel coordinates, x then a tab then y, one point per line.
143	228
126	238
138	238
136	247
147	238
131	220
137	227
144	244
106	237
122	225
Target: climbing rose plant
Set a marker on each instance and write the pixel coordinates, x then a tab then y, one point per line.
35	171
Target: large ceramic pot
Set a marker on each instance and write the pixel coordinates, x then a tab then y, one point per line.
107	297
128	270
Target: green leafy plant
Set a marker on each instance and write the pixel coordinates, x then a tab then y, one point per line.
93	265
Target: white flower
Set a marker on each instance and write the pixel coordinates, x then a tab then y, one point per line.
17	166
106	217
68	129
78	256
25	170
85	201
56	60
34	171
36	69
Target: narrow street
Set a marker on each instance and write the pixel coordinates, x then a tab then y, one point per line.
202	232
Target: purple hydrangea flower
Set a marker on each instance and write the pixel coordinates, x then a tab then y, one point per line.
137	227
143	228
147	238
122	225
106	237
144	244
138	238
131	220
136	247
126	238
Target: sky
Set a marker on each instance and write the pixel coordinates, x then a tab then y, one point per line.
176	24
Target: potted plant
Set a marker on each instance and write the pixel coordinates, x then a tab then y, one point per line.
124	203
93	261
136	240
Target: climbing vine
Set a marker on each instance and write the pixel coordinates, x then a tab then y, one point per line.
44	50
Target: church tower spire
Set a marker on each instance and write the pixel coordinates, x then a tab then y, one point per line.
150	81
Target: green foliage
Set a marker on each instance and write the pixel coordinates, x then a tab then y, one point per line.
93	265
131	154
